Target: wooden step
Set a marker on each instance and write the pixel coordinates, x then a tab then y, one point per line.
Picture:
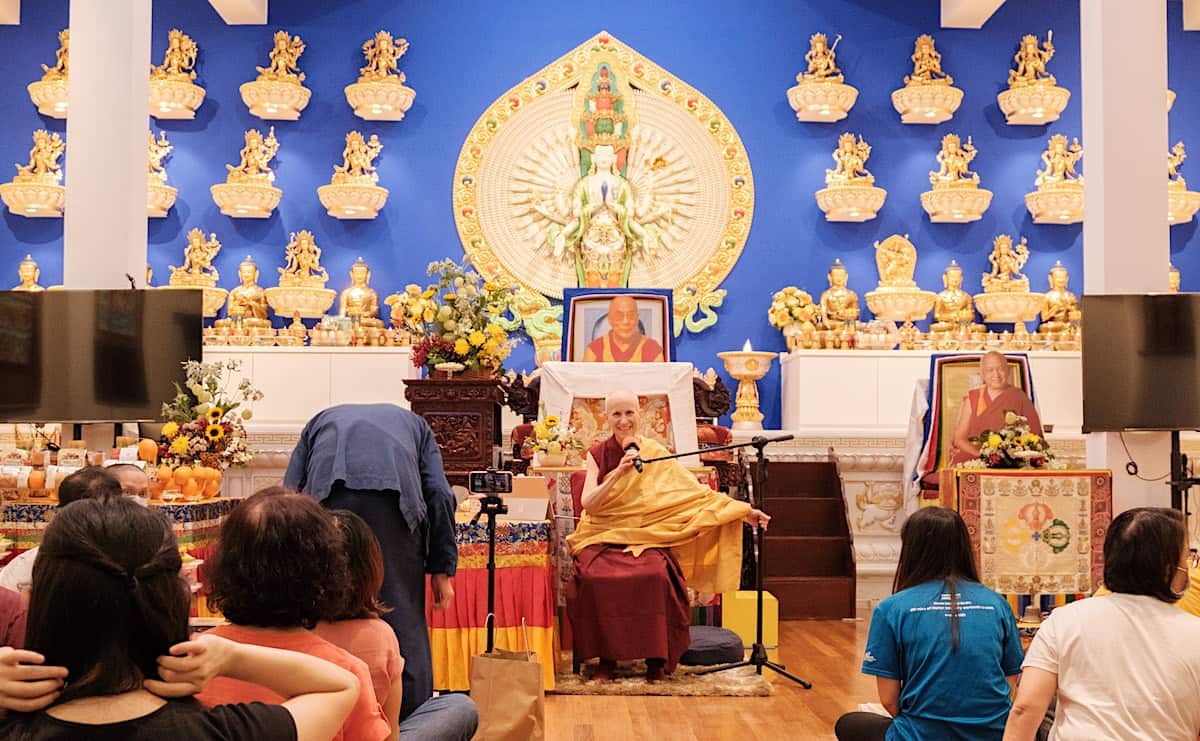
803	479
792	555
814	598
806	516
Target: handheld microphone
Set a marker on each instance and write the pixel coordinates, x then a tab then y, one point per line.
632	447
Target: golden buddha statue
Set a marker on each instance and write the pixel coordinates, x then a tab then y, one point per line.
29	272
1173	278
1061	309
248	302
953	307
360	302
839	303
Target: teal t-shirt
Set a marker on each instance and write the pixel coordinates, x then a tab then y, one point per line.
946	694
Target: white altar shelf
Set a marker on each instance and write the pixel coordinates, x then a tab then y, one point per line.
868	393
298	382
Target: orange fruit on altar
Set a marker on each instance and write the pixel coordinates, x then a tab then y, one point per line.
147	450
183	473
212	488
191	490
164	474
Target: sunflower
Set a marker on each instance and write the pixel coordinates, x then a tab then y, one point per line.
170	430
551	421
215	414
476	338
214	432
461	346
179	446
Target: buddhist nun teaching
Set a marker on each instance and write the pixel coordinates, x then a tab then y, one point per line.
642	540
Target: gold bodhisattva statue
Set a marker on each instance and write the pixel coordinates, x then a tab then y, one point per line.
383	56
358	160
156	152
256	156
1175	160
179	62
1173	279
850	160
1007	261
303	268
62	68
198	256
29	272
1059	160
284	56
43	167
954	162
822	60
1031	62
927	65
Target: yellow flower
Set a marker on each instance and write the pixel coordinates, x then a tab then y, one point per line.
179	446
994	440
489	286
551	421
450	297
540	432
215	414
476	338
214	432
461	346
490	347
495	330
1034	438
1010	418
429	293
170	430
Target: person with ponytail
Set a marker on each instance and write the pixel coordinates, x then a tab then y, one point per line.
108	655
944	649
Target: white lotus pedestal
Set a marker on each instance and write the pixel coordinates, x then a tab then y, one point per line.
1060	205
821	102
851	202
214	298
309	303
926	104
34	200
50	97
380	101
175	99
1003	308
246	200
352	201
159	199
900	304
956	204
1033	105
748	367
1181	205
275	101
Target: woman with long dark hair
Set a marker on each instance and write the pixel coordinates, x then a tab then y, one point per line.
942	646
109	612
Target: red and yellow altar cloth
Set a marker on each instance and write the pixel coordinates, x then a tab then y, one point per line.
1034	531
195	524
524	594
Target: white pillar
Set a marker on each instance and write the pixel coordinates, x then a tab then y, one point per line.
105	231
1126	245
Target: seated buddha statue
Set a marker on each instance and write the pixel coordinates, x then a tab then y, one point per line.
360	302
247	302
953	307
839	303
29	272
1061	309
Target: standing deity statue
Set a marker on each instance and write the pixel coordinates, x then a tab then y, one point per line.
1062	307
927	64
1031	62
1006	261
157	151
822	60
383	55
285	57
180	59
357	160
1059	160
839	303
256	158
29	272
43	164
303	267
1174	161
850	159
198	257
61	69
954	161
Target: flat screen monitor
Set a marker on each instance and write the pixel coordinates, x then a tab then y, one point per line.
1140	368
94	356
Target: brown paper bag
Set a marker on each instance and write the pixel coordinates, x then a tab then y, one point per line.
507	688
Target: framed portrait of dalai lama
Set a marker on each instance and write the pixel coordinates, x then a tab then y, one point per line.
616	325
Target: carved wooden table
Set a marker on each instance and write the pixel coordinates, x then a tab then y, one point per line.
465	418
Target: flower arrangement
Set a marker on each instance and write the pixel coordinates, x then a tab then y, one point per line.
794	313
204	422
551	437
457	323
413	307
1012	446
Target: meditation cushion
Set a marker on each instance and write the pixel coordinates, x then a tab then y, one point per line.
712	645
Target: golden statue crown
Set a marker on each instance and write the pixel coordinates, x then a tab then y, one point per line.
818	37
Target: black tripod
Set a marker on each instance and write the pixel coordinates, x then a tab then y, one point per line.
491	505
758	652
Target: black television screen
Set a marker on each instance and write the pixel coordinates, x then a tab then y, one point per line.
1139	362
94	356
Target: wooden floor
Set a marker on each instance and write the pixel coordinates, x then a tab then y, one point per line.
827	653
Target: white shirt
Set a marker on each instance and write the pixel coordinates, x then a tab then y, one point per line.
1128	667
18	573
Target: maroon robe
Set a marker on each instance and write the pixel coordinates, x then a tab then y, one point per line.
988	414
623	606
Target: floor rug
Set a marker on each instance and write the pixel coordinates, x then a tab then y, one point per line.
630	679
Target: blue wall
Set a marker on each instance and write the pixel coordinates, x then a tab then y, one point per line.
466	53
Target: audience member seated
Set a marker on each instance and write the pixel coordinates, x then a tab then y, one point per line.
92	482
280	568
357	628
1126	666
12	619
641	540
942	646
109	618
984	408
135	482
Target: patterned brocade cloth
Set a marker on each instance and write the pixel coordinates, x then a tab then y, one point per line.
524	592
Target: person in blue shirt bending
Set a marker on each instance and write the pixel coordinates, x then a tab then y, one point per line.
944	649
